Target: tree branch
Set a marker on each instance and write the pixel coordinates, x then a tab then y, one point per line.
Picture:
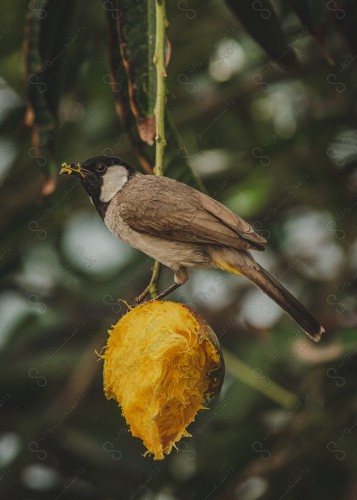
159	111
159	61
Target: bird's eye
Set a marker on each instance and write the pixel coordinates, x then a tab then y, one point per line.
100	168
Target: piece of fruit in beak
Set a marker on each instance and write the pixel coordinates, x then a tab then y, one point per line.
71	168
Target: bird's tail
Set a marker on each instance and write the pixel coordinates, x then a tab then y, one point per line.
246	265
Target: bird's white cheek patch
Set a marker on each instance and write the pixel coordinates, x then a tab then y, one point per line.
112	181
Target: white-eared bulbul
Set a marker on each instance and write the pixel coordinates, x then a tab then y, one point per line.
181	227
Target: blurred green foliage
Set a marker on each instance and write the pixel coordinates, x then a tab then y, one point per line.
278	147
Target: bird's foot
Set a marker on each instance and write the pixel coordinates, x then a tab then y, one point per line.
141	298
148	290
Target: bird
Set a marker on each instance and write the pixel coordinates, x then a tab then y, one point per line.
182	228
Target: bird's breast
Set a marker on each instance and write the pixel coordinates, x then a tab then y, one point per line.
173	254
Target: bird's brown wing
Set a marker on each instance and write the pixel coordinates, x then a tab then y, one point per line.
230	219
172	210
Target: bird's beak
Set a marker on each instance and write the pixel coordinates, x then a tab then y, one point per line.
72	168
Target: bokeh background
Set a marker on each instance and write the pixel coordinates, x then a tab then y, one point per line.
277	144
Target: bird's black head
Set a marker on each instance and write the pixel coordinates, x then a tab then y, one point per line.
102	177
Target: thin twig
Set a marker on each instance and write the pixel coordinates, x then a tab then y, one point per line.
159	111
159	61
265	385
152	288
122	106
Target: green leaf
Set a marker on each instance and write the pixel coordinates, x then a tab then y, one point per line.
47	38
313	16
262	23
345	15
176	163
136	83
121	86
312	13
243	372
133	23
